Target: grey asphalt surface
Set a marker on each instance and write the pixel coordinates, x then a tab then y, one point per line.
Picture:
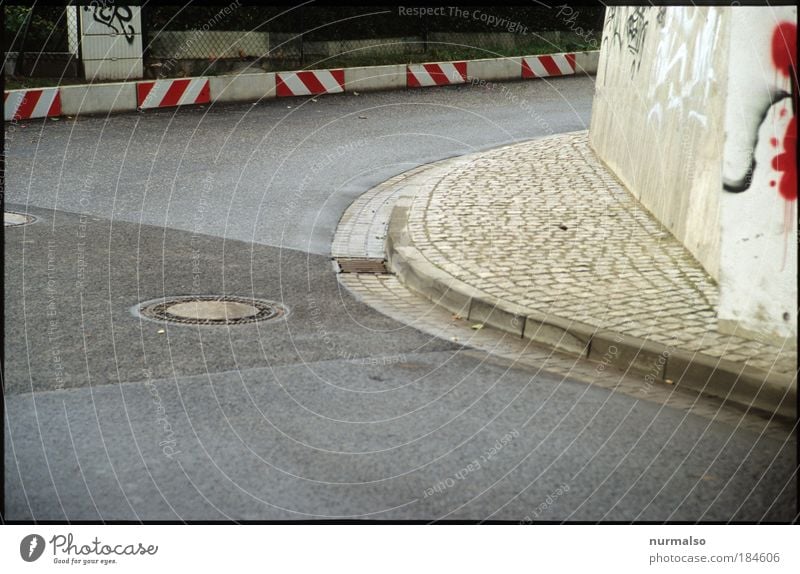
280	172
335	411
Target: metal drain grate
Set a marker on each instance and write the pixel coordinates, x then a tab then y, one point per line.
17	219
361	265
211	310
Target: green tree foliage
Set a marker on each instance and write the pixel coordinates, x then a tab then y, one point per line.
47	31
355	22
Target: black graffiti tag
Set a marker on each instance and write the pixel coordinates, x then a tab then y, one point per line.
116	18
662	16
635	32
612	23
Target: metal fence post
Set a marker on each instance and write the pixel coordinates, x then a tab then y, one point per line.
302	39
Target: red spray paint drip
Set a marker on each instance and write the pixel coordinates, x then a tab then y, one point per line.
784	47
786	163
784	53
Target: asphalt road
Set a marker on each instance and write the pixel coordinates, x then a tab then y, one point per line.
334	411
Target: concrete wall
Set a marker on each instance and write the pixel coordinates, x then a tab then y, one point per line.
98	98
657	115
200	44
587	62
370	47
515	41
118	97
242	88
494	69
758	217
686	98
42	64
368	78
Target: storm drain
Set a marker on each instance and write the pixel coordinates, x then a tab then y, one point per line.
16	219
361	265
212	310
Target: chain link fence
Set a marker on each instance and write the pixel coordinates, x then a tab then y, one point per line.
35	41
210	40
190	40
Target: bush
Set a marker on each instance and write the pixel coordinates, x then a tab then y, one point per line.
47	31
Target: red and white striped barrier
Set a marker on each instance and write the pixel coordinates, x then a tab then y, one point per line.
31	104
108	98
441	74
550	65
168	93
309	82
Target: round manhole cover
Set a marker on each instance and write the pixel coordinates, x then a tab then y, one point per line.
211	310
15	219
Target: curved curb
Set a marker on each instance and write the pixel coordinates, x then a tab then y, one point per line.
740	384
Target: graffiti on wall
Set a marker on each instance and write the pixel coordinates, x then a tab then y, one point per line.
784	54
625	29
612	30
784	95
635	34
116	18
683	69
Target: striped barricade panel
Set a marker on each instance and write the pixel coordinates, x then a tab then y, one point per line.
309	82
169	93
438	74
546	66
32	104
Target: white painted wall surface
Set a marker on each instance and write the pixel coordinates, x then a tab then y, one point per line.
111	42
658	113
758	271
686	97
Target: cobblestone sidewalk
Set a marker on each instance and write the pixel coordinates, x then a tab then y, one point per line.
544	226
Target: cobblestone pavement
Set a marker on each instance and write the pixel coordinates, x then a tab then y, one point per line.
361	234
545	226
